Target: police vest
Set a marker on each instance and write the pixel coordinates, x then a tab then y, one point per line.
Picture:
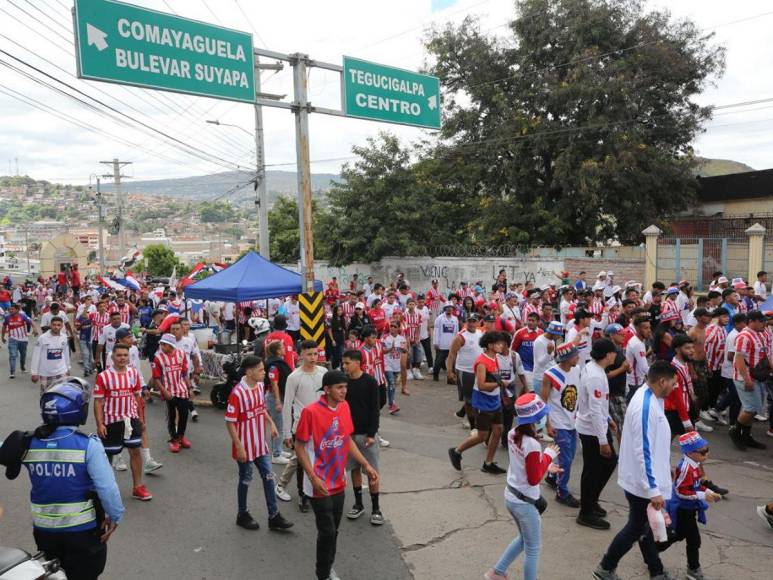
60	482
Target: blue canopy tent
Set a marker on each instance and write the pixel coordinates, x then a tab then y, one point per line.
252	277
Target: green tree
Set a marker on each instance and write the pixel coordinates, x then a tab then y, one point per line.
284	231
161	261
578	127
388	205
216	212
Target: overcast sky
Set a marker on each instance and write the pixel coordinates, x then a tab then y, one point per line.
48	147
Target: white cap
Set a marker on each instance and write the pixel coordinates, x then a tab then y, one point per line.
610	274
723	280
602	274
359	305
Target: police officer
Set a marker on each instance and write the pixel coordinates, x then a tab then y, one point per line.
72	482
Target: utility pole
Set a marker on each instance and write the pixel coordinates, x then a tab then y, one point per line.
27	248
301	106
101	230
116	176
261	194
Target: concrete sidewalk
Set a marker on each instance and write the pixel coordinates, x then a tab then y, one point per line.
455	525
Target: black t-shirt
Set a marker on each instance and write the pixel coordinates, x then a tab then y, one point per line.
617	384
363	397
277	369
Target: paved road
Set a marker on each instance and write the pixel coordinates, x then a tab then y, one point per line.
441	524
188	530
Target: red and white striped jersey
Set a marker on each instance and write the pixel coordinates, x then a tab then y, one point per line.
679	398
348	310
715	346
16	325
99	321
668	306
125	310
119	391
528	308
433	296
247	408
596	307
753	346
171	370
373	362
413	321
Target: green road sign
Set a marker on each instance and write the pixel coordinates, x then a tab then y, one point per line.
384	93
126	44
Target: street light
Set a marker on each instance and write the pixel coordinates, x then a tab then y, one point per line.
219	124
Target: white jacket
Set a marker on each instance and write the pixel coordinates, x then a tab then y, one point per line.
593	403
644	467
301	389
446	328
51	355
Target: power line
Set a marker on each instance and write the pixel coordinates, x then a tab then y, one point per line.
137	94
110	107
249	21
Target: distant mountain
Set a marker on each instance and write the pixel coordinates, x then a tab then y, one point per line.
712	167
233	183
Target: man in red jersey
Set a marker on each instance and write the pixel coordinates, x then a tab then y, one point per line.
323	445
117	399
280	333
170	374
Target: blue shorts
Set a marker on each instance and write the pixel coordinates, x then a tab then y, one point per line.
751	401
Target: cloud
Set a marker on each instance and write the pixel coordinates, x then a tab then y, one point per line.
390	33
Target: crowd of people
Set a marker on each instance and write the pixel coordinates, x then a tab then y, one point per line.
622	370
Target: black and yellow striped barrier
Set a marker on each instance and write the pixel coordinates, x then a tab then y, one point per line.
313	317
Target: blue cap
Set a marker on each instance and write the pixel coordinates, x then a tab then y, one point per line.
613	328
556	328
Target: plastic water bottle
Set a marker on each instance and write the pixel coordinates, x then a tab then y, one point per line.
657	523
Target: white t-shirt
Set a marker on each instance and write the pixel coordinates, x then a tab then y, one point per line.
760	290
511	315
82	307
424	328
394	347
516	471
584	346
228	311
107	336
564	387
727	365
293	315
543	360
389	309
636	355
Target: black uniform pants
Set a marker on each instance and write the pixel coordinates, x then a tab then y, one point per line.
81	554
686	529
596	471
177	416
427	346
327	511
439	363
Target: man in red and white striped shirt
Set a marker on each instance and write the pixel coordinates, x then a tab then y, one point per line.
716	337
246	419
677	404
373	357
752	347
99	320
170	374
413	320
117	393
124	308
15	331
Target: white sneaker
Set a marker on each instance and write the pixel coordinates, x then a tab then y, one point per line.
383	442
409	375
706	416
417	375
714	414
701	426
721	420
119	464
195	415
281	493
333	575
152	465
287	454
280	460
760	417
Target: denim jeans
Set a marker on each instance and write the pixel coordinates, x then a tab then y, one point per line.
263	463
86	356
392	378
566	439
327	512
276	442
529	523
17	347
415	355
636	529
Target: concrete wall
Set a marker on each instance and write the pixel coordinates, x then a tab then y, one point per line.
420	271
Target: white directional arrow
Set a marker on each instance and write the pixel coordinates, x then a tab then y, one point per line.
432	102
96	37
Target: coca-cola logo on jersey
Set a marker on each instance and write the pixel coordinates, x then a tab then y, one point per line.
333	443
